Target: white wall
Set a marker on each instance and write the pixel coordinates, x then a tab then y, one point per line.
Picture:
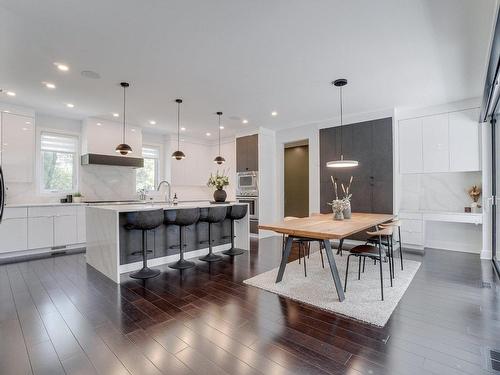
268	204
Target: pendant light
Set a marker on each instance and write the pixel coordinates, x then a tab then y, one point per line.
123	148
178	155
341	163
219	159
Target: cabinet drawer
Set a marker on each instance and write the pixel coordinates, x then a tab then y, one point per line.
42	211
412	238
411	226
15	212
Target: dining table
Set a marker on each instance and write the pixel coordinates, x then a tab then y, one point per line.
323	228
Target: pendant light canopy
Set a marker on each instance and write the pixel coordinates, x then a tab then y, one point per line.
219	159
178	155
341	163
123	148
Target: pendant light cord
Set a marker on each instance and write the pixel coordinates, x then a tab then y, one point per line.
341	121
124	88
219	135
178	124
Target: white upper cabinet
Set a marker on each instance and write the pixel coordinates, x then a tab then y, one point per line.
18	147
410	146
464	141
102	137
435	143
448	142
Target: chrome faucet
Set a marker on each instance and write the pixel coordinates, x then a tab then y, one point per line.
169	190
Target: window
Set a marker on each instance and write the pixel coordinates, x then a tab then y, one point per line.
58	163
147	177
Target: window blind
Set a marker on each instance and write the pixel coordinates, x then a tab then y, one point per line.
150	152
58	143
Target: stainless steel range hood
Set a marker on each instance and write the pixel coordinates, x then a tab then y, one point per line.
118	161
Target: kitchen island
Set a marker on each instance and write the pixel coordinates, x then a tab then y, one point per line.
113	250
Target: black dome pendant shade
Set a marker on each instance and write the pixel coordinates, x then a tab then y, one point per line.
219	159
124	148
178	155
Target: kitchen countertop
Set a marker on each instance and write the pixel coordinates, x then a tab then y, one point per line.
58	204
21	205
158	205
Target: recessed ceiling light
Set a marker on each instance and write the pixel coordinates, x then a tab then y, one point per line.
116	115
152	122
245	121
221	127
28	123
70	105
99	124
61	67
7	111
11	93
183	129
25	129
208	134
49	85
274	113
132	130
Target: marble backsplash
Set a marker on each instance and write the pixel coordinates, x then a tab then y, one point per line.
101	182
437	191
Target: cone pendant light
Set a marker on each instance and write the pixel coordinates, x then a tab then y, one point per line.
219	159
124	148
341	163
178	155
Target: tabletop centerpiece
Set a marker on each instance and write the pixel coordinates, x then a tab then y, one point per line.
338	205
218	181
475	193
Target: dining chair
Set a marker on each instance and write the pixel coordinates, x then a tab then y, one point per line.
372	252
396	224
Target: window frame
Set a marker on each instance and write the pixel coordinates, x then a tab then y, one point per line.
157	164
76	161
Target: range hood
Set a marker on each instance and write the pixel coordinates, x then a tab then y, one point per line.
119	161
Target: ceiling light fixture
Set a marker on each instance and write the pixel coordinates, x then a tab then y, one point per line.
152	122
209	134
116	115
178	155
124	148
274	113
49	85
11	93
219	159
245	121
61	67
70	105
341	163
183	129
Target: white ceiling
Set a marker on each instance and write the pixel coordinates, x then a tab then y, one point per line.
245	58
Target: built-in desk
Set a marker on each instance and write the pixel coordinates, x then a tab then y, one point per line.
111	248
459	231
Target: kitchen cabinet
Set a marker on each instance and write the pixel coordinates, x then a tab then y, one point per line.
40	232
18	147
435	143
247	153
448	142
81	234
464	141
370	143
14	235
65	230
410	146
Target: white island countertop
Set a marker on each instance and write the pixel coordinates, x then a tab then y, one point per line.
158	206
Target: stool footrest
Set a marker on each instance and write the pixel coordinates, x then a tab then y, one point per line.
210	257
145	273
182	265
234	251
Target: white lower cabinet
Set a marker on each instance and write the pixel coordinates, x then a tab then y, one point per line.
81	225
65	231
13	235
40	232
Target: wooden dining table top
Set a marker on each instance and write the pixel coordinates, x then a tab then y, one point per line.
323	227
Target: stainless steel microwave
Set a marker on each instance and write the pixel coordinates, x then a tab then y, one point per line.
247	182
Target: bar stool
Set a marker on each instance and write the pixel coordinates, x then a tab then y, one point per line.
183	218
214	215
236	212
144	221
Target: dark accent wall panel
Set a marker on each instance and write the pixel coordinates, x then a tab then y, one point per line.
370	143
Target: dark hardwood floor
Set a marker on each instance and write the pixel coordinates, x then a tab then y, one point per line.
60	316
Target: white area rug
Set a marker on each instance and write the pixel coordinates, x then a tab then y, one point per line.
362	299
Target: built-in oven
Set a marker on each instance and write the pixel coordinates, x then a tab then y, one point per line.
247	183
253	211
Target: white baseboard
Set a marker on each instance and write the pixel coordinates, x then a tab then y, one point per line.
20	253
452	246
171	258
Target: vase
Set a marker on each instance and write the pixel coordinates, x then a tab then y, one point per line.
338	215
77	199
220	195
347	211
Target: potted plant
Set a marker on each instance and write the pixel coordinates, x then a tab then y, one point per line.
347	199
475	193
338	205
218	181
77	197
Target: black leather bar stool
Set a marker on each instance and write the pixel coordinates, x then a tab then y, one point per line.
144	221
183	218
214	215
236	212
